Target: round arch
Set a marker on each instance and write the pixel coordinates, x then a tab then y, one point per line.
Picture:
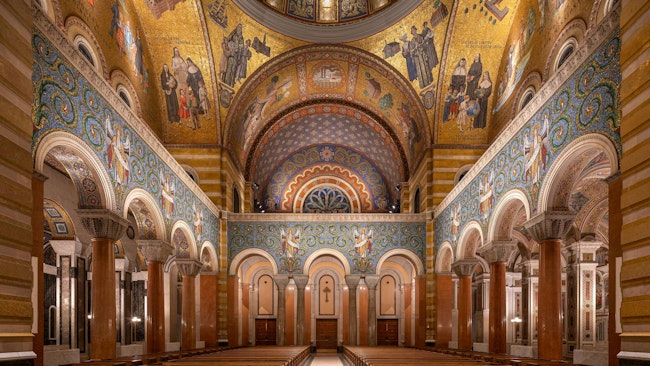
188	233
139	195
326	251
466	236
213	258
444	258
415	261
240	257
73	144
501	213
555	188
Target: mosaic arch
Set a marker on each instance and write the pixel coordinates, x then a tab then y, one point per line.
511	212
583	106
151	224
58	220
358	195
81	121
344	74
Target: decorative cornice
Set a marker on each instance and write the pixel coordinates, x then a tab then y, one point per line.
155	250
103	223
550	225
497	250
465	267
591	44
268	217
102	86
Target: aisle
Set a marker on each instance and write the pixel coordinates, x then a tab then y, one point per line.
326	359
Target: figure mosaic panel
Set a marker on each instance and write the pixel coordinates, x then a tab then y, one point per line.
66	101
586	103
290	243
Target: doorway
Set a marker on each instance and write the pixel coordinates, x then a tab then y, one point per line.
387	332
326	333
265	332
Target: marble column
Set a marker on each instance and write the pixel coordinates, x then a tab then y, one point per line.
38	182
281	281
497	253
549	229
444	306
105	227
581	276
67	252
233	311
371	283
301	283
352	281
188	268
156	253
464	269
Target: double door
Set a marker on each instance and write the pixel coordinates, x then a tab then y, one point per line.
387	332
265	332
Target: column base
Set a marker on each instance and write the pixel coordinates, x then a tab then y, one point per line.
130	350
481	347
60	355
633	358
523	351
591	357
453	344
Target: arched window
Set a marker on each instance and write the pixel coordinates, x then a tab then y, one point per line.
236	200
83	46
460	174
566	51
124	95
416	201
526	98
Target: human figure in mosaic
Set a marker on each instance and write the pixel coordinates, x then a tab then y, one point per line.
169	85
474	75
482	93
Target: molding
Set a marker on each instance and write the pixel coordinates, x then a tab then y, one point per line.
327	33
338	218
546	92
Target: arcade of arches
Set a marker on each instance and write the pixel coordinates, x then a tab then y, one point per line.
187	173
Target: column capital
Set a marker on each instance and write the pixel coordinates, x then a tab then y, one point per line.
40	176
188	267
66	247
281	281
103	223
352	281
300	281
465	267
497	250
155	250
550	225
371	281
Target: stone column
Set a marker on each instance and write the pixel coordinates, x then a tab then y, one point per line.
67	252
156	253
281	281
371	282
352	281
444	305
549	229
301	282
188	268
464	269
105	227
581	276
497	253
233	311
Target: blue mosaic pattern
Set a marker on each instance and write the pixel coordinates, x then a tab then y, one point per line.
587	103
316	235
65	101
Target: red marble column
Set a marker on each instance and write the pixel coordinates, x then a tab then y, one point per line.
420	310
464	269
38	181
549	230
188	268
497	254
615	251
156	253
208	322
444	306
105	227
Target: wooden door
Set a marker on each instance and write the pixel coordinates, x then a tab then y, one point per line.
326	333
265	332
387	332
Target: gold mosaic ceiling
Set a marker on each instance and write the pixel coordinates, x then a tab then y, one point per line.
327	11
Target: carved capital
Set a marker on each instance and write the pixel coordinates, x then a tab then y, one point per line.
352	281
465	267
497	250
188	267
550	225
300	281
103	223
281	281
371	281
155	250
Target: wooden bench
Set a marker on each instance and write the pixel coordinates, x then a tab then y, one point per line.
388	356
257	356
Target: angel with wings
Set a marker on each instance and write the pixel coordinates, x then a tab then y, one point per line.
118	151
362	242
167	194
290	242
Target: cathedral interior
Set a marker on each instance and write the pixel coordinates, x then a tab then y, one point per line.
459	174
